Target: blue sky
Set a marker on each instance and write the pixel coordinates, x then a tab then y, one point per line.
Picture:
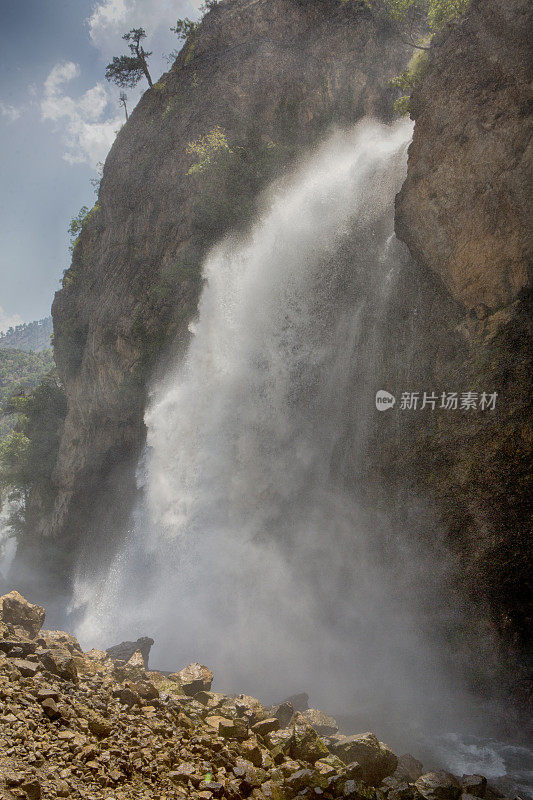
58	118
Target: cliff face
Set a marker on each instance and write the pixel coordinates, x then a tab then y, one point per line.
463	210
285	68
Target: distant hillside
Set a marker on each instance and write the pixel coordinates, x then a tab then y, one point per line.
30	336
19	371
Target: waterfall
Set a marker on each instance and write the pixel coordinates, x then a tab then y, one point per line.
252	550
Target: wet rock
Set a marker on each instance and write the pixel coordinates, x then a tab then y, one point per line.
475	785
99	726
61	640
125	650
376	758
439	785
15	610
194	678
127	696
321	722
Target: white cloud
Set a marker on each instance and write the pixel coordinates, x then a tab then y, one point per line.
89	133
8	320
11	112
111	18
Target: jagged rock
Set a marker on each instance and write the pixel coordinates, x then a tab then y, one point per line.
194	678
61	640
125	650
26	668
265	726
15	610
250	707
376	758
50	708
439	785
284	712
475	785
305	744
233	729
323	725
408	769
59	664
299	702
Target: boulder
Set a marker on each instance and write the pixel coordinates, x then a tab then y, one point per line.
305	744
475	785
299	702
15	610
284	712
408	769
376	758
321	722
26	668
265	726
125	650
233	729
194	678
439	785
61	640
60	664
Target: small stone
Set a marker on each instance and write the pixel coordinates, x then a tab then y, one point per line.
194	678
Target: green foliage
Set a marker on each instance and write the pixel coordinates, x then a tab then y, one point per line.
76	227
29	454
409	79
206	148
186	29
438	12
127	71
19	373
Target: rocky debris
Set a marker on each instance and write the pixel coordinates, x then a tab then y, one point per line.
193	679
104	736
125	650
15	611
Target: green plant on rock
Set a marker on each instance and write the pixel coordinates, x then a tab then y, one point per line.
206	148
410	79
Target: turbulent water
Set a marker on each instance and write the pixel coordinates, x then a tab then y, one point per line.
252	550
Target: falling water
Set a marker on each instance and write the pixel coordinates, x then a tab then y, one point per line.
252	551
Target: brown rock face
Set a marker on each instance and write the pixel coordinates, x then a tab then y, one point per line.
464	210
288	69
15	610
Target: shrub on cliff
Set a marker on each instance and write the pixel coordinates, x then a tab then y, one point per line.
28	455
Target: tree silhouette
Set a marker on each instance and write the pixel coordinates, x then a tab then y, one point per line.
128	70
123	100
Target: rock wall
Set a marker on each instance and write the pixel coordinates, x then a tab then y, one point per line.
463	212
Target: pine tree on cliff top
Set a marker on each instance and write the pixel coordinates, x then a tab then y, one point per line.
128	70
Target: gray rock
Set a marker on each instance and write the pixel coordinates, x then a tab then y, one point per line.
439	785
125	650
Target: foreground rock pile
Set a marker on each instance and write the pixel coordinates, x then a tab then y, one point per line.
86	725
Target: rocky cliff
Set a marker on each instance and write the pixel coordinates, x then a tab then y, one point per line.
279	73
463	212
